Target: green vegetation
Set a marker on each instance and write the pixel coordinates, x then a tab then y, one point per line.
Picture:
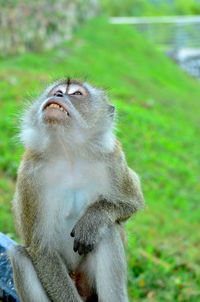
158	124
150	7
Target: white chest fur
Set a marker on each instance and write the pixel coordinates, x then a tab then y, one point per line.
81	179
67	189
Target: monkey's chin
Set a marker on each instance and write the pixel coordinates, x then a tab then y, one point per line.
55	116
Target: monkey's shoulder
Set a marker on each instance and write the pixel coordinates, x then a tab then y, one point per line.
123	176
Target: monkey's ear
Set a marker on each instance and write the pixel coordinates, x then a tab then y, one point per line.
112	110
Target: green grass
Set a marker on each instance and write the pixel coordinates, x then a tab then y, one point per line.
150	7
158	123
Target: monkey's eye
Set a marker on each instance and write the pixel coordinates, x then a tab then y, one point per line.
58	93
77	93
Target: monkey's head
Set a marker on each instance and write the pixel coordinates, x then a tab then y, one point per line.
70	110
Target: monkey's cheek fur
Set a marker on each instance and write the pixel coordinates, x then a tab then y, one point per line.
54	115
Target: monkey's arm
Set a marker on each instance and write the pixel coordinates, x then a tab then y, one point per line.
41	277
47	263
54	276
126	198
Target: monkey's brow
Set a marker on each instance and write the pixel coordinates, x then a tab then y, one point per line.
68	81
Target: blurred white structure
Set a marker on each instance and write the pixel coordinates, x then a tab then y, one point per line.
178	35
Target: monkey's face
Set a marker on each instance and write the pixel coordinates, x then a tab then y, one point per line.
75	110
59	106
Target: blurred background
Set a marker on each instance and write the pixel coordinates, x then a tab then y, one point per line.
146	54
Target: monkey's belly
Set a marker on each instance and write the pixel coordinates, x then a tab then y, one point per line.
83	287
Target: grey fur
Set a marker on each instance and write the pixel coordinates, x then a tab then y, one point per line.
95	192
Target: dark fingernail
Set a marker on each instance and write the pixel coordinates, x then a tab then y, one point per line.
75	246
90	248
81	249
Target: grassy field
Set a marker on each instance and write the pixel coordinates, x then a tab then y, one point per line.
150	7
158	124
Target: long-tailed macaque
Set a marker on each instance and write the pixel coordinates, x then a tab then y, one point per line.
74	191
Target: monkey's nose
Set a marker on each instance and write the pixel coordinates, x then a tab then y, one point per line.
59	93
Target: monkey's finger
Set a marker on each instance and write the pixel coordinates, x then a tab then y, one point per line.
85	249
89	248
72	234
76	244
81	249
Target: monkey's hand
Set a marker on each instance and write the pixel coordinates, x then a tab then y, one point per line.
89	229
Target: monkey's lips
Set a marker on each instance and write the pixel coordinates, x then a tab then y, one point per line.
55	110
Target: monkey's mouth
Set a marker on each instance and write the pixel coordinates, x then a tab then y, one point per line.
55	110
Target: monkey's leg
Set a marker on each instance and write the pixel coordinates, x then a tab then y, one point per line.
26	281
54	276
52	273
107	265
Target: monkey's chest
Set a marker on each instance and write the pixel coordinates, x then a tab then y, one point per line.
72	203
67	190
81	175
63	209
74	183
63	206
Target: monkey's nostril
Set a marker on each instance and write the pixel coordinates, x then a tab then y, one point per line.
59	93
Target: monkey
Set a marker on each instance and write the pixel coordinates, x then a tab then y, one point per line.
73	194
